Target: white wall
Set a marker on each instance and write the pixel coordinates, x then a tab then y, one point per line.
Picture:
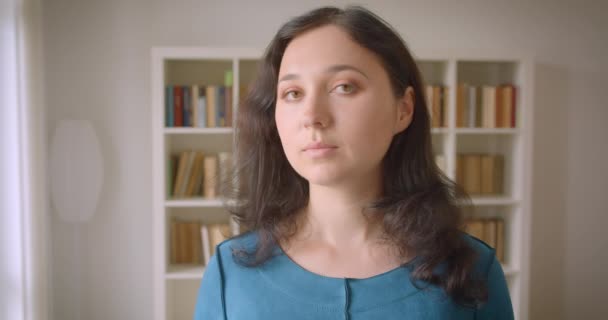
97	68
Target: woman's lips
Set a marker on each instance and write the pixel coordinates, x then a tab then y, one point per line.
319	149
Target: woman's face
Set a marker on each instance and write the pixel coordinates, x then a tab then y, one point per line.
336	112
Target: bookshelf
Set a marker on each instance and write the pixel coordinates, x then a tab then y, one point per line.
176	286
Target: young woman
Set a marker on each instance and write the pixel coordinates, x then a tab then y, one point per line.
349	216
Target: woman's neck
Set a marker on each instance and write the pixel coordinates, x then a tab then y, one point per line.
335	216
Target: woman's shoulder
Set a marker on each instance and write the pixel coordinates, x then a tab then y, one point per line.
229	251
486	255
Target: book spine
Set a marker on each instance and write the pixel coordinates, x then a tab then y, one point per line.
178	106
209	185
202	103
186	102
169	122
194	105
229	106
206	244
471	107
211	92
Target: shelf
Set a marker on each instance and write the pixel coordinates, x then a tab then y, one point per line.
185	272
189	130
487	131
493	201
194	202
439	130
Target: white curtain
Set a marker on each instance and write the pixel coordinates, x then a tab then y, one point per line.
23	191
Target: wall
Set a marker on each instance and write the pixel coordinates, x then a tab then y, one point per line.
97	68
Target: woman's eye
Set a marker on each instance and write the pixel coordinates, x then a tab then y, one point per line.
291	95
345	88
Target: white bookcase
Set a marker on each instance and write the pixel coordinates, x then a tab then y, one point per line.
176	287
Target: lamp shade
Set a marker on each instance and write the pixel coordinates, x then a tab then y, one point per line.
76	170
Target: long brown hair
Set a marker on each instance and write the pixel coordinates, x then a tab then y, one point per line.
419	205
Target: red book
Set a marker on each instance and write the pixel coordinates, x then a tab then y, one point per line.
513	107
178	106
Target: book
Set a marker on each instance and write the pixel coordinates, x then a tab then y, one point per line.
198	176
460	170
462	105
182	243
499	114
221	107
229	107
472	173
178	106
211	94
194	177
206	246
195	241
210	177
183	159
182	188
500	240
187	106
194	105
472	101
169	112
491	174
225	166
508	100
489	107
202	107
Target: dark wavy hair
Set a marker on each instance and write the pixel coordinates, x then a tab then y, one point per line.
419	207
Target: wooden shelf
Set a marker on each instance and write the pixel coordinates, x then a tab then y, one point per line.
189	130
185	272
194	202
481	131
493	201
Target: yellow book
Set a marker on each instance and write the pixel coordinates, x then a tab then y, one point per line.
210	184
472	174
181	168
211	106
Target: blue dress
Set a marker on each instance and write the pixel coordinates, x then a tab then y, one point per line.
281	289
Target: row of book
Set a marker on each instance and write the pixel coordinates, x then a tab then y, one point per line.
194	242
485	106
490	231
194	173
199	106
437	104
480	174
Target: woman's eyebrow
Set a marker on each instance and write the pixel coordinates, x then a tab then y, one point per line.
331	69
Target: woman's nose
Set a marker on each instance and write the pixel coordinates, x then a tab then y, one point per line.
316	112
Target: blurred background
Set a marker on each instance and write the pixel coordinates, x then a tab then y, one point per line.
91	60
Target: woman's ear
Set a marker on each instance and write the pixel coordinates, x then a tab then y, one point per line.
405	110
